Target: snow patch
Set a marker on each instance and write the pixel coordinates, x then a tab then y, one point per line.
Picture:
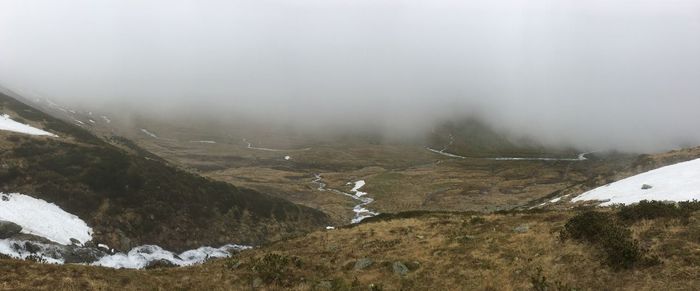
287	158
6	123
678	182
42	218
203	141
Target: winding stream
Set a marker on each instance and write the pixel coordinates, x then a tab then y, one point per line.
252	147
443	151
361	211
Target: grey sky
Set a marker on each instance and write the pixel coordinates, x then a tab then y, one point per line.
597	73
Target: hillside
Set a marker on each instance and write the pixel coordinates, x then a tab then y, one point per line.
131	197
441	251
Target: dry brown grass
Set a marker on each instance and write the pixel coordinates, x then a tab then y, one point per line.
444	252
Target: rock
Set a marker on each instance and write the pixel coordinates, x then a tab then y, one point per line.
162	263
646	186
31	247
363	263
521	229
75	241
8	229
400	268
81	255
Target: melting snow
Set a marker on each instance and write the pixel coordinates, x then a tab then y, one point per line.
678	182
6	123
140	257
44	219
287	158
203	141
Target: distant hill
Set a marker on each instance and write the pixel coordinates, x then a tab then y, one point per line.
131	197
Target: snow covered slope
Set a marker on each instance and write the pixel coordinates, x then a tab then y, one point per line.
10	125
44	219
678	182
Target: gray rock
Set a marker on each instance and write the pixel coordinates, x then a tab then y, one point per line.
363	263
75	241
400	268
521	229
80	255
162	263
9	229
646	186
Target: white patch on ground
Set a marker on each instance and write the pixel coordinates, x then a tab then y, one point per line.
287	158
678	182
91	121
153	135
106	119
330	228
140	257
6	123
203	141
42	218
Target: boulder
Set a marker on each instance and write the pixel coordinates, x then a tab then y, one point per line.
646	186
162	263
363	263
9	229
400	268
521	229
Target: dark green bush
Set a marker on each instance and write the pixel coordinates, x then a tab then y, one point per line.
601	230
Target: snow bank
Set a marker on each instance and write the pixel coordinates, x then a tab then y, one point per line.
678	182
42	218
6	123
140	257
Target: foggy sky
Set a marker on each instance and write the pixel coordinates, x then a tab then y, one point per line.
597	74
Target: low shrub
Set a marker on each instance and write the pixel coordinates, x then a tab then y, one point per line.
657	209
601	230
275	268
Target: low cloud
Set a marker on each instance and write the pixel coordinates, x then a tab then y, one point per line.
593	74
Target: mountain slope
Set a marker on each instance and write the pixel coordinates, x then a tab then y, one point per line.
130	197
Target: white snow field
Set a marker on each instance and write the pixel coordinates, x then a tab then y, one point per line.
42	218
678	182
140	257
6	123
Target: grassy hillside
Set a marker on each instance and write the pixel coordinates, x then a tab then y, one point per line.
636	248
130	197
